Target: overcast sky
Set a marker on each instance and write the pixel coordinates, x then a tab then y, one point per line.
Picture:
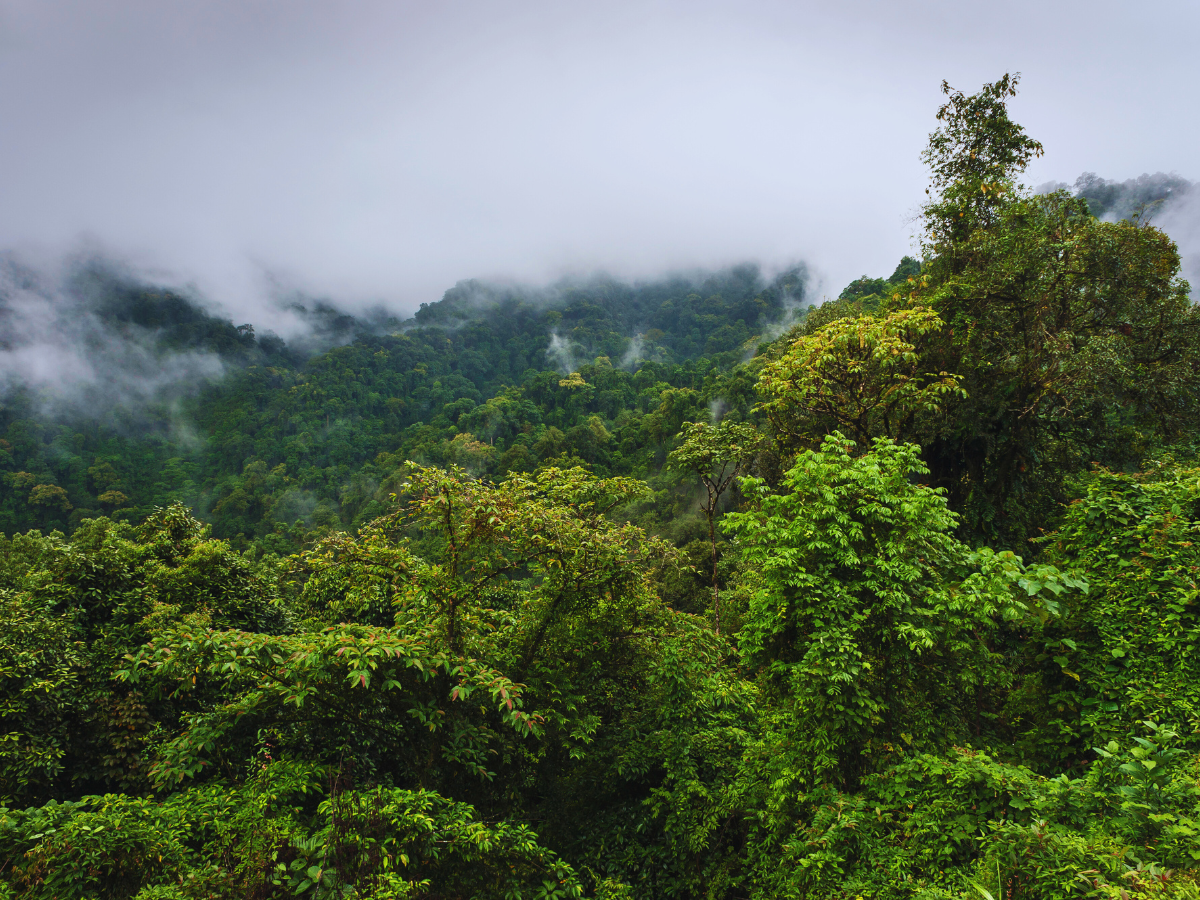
381	151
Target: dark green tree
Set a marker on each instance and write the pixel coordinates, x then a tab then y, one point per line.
717	454
872	627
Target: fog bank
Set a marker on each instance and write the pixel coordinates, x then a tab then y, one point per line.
379	152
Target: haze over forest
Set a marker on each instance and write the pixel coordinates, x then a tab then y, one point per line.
257	150
680	452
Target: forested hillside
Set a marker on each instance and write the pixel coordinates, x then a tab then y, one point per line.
681	589
290	443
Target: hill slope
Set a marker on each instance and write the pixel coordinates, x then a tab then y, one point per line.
279	438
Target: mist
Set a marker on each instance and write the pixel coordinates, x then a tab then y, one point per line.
379	153
63	338
1180	218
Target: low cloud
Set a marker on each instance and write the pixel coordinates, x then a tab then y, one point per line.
62	336
1181	220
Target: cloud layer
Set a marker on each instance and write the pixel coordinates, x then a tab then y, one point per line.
379	152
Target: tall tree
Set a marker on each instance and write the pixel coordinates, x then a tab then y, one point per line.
718	454
1034	341
1074	339
873	623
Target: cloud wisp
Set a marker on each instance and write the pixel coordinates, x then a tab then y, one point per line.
61	338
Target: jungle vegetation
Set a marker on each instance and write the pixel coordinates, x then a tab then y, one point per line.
687	589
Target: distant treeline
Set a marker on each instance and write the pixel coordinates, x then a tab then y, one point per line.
288	443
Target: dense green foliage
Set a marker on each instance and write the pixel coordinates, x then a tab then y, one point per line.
657	591
284	447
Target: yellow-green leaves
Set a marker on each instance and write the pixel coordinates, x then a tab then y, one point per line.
370	682
861	375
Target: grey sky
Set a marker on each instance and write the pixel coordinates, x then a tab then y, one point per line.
381	151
